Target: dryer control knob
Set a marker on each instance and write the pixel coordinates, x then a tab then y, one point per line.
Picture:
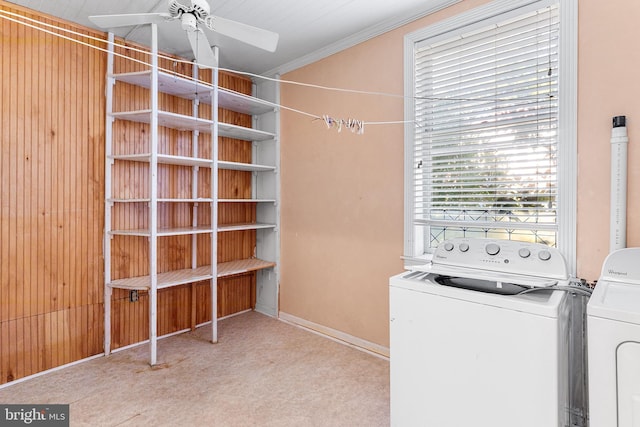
492	248
544	255
524	253
464	247
448	246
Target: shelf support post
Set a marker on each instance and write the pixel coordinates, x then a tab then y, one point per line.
214	196
107	196
153	213
194	195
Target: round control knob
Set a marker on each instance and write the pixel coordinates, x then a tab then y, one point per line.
448	246
544	255
492	248
464	247
524	253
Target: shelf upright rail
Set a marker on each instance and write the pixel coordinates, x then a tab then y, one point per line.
106	247
214	205
153	204
194	195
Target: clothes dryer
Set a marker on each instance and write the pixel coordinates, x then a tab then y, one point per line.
613	325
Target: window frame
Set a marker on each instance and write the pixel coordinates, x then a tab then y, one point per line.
567	117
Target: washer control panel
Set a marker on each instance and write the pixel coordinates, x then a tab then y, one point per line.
507	256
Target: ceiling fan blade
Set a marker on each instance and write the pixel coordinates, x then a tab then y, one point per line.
264	39
201	49
112	21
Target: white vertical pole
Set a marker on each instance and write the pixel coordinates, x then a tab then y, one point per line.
194	195
255	157
276	247
153	207
214	205
107	196
618	208
194	175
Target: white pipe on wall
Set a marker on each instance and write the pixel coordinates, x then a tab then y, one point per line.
619	144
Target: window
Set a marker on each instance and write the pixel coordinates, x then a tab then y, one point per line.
490	149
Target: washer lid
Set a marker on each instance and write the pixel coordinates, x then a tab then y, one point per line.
474	273
615	301
546	303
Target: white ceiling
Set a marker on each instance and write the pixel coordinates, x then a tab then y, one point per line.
309	29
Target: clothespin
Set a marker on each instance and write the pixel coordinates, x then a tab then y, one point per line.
355	126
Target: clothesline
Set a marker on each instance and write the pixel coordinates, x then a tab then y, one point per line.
354	125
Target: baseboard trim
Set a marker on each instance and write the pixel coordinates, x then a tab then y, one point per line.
48	371
335	335
119	349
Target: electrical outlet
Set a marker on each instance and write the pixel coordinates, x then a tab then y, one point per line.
133	295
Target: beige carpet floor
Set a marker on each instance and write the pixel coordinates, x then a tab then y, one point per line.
263	372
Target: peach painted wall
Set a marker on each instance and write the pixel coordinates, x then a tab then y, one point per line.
342	194
608	85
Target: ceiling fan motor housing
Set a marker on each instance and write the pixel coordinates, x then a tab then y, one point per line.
189	22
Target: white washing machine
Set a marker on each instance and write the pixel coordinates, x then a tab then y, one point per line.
613	324
468	348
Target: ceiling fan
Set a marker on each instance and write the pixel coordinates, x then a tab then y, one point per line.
193	18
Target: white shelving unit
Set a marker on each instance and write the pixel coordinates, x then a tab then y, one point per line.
154	281
265	186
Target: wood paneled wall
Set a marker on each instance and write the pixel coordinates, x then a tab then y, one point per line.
51	208
52	126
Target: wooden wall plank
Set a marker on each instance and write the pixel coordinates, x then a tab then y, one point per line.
235	292
6	371
16	126
51	208
5	103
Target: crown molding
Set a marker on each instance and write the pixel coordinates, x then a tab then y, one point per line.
360	37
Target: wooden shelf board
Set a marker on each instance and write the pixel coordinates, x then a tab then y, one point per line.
121	200
242	103
167	159
167	119
246	201
244	133
165	280
160	200
249	167
188	123
232	268
172	84
187	88
163	232
244	226
182	277
167	200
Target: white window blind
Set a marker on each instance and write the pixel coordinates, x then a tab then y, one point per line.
486	135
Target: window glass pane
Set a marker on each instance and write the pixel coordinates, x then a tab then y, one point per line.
438	234
485	150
